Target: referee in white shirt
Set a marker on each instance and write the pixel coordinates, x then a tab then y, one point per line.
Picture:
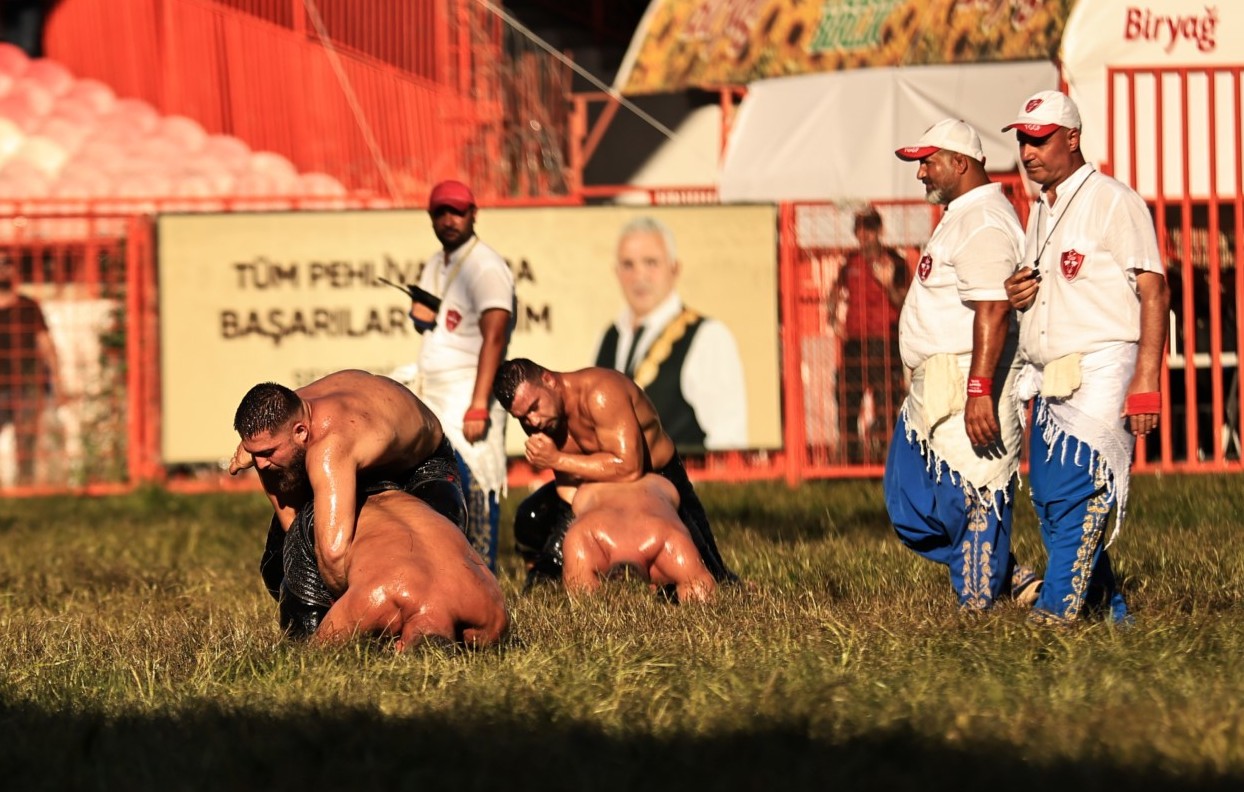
464	341
954	459
1092	333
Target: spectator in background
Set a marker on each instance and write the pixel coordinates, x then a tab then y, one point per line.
1092	332
687	363
464	340
29	375
864	303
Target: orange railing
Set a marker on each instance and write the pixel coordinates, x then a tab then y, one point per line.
101	297
68	359
1182	152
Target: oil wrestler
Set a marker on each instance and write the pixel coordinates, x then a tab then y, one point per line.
330	445
592	425
633	526
414	577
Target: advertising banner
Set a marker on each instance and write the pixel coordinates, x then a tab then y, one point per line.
711	43
1194	45
289	297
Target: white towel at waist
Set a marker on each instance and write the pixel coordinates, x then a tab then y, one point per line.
934	411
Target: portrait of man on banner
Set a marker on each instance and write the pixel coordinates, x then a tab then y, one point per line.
687	363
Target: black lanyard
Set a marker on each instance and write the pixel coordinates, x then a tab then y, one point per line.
1036	262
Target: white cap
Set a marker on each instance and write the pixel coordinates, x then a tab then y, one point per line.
950	134
1044	112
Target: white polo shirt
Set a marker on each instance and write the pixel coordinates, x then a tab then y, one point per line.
974	248
1100	234
473	279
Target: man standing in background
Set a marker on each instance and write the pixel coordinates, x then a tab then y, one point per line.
871	287
688	364
464	341
1092	334
954	458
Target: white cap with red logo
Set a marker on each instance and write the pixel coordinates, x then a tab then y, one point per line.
951	135
1045	111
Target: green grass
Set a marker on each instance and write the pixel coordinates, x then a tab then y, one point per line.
139	651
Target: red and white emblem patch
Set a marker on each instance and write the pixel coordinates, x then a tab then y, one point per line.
1033	104
925	266
1071	263
452	318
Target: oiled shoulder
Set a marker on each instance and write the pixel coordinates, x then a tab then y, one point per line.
602	379
338	382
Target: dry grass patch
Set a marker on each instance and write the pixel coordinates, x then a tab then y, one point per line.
140	651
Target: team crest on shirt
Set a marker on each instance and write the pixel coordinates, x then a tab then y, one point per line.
452	318
924	267
1071	263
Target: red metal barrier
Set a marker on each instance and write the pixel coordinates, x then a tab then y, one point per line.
1173	155
100	297
66	323
97	290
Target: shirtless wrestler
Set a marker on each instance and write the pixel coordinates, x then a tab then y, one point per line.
592	425
413	576
633	525
320	452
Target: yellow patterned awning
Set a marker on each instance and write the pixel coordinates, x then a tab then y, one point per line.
709	44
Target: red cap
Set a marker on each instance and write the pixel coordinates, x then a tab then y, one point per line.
453	194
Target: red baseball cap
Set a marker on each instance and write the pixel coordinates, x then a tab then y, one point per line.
454	194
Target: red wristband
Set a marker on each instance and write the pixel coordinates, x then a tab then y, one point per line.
1143	403
980	386
475	414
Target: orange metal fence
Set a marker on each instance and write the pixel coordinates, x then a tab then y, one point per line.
70	328
86	416
1182	149
95	426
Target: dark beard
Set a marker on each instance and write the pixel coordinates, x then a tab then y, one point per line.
557	431
288	481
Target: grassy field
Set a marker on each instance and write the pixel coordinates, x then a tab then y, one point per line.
138	650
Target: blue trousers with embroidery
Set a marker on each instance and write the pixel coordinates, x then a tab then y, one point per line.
948	523
1073	500
483	515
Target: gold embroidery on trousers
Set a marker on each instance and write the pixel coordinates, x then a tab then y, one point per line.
1095	516
661	349
977	555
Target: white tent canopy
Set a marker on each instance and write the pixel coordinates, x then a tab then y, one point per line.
832	136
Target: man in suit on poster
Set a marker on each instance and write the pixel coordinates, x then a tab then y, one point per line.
687	363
